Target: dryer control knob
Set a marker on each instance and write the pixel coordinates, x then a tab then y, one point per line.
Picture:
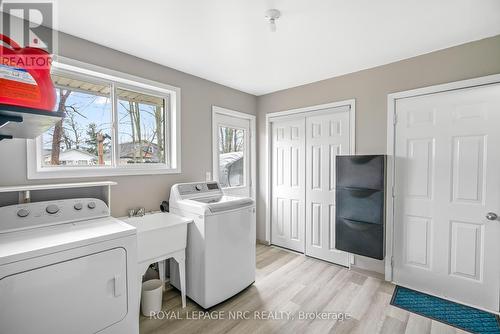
23	213
91	205
52	209
198	187
78	206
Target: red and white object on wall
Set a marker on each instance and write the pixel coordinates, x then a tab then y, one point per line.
25	76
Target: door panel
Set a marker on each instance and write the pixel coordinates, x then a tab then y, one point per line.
327	135
447	180
468	169
288	184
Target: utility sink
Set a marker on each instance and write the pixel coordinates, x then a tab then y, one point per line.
159	234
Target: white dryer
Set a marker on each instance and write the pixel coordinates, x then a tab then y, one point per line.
67	267
220	253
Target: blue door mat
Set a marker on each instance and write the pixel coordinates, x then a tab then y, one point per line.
445	311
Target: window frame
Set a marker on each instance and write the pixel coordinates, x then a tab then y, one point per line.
172	97
252	152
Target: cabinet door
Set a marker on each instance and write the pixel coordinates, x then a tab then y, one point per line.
83	295
360	237
366	205
362	171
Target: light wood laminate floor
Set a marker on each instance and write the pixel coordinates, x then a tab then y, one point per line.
290	282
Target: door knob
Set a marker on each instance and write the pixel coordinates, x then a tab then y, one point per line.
491	216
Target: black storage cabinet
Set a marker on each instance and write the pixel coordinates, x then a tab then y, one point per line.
360	204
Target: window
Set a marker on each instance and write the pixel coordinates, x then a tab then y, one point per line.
231	157
233	151
114	124
83	137
141	128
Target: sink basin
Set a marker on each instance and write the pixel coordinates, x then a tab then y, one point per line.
159	234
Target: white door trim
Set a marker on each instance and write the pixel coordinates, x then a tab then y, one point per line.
391	122
270	116
215	159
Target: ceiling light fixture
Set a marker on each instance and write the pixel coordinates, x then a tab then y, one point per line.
272	15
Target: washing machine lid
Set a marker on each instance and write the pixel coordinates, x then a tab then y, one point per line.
224	203
25	244
215	204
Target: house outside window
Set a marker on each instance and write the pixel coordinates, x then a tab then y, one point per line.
114	124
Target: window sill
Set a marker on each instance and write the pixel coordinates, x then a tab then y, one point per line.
83	172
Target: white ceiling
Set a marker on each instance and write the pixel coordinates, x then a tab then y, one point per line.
229	42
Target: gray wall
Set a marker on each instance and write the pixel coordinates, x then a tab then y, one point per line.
197	97
370	88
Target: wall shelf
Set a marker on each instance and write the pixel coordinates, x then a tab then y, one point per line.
45	192
56	186
21	122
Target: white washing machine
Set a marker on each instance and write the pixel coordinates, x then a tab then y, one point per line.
220	253
67	267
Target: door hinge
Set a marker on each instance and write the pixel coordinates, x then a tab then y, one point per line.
395	118
392	261
393	192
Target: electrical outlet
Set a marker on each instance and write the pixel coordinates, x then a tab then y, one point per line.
208	176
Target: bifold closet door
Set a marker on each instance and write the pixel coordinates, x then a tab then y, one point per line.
288	184
327	135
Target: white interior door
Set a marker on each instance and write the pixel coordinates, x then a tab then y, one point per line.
327	135
447	151
288	184
232	153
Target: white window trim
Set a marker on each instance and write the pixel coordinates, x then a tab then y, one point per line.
121	80
253	154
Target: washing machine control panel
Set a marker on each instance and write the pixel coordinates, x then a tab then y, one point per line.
195	188
39	214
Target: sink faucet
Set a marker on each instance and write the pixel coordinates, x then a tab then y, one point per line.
137	213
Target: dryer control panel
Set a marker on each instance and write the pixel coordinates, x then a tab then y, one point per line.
35	215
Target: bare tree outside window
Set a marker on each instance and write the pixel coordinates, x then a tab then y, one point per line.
141	119
82	137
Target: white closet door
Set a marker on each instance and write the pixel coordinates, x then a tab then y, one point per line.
327	135
288	184
448	179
